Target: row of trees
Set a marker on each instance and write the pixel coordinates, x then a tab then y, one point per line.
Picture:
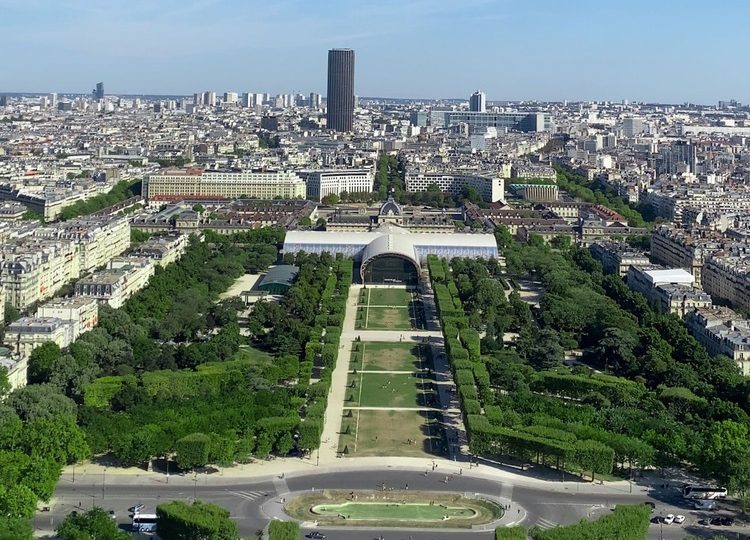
488	431
121	191
176	520
593	192
625	522
673	401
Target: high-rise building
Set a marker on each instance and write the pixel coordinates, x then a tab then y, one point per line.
230	97
315	100
632	126
209	98
198	98
478	102
248	99
52	100
340	96
98	92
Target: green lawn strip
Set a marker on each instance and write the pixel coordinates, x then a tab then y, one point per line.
396	433
396	390
388	318
384	356
390	297
392	509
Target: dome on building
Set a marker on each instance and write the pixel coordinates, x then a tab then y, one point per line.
390	208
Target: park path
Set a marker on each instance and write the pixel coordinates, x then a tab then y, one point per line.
337	394
453	422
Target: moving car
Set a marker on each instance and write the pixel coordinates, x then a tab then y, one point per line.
651	505
669	519
137	508
317	535
112	514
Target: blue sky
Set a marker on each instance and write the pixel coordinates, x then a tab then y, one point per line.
657	50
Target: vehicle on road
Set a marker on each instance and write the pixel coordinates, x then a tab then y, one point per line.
112	514
136	509
651	505
696	491
679	518
317	535
704	504
723	521
145	523
668	519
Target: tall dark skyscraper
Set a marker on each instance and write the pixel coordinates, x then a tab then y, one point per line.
340	97
99	91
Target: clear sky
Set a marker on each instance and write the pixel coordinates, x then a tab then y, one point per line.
655	50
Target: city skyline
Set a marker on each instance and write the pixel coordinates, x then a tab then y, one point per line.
541	51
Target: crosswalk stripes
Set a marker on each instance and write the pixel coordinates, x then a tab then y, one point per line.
545	524
249	495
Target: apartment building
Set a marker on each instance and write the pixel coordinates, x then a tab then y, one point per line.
179	184
123	278
163	250
33	270
322	182
727	277
490	186
81	311
28	333
617	258
669	290
677	248
722	331
98	239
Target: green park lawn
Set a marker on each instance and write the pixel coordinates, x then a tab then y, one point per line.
393	511
388	318
389	297
384	356
391	433
393	390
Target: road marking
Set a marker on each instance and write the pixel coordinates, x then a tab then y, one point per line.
545	524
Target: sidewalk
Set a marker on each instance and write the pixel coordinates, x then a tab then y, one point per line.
295	467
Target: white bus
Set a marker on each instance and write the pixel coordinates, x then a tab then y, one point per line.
694	491
144	523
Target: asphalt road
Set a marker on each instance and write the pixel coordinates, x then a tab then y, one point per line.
243	499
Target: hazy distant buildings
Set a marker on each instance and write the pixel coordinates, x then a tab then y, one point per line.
98	92
478	102
340	96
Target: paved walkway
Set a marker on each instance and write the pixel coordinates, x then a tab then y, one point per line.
337	394
453	422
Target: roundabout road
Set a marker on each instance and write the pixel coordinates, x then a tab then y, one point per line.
544	504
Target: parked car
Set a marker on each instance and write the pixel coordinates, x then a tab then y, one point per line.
704	505
679	518
669	519
651	505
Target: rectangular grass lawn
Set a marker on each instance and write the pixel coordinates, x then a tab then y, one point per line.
391	433
388	318
392	390
383	356
389	297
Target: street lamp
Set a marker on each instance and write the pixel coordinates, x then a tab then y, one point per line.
104	479
195	486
